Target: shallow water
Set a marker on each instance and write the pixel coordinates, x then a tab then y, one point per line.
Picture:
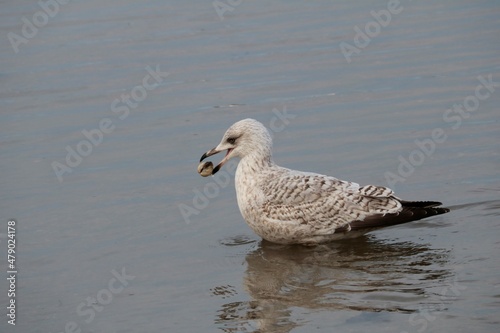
119	211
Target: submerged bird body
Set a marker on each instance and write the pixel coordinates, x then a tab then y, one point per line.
293	207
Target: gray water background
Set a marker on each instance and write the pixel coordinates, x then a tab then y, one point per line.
120	209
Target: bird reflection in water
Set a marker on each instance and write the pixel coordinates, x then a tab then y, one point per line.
365	275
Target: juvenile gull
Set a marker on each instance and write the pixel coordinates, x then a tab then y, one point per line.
294	207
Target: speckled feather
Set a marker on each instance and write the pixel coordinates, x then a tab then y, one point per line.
288	206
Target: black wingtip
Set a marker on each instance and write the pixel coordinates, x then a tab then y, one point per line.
412	211
432	207
422	204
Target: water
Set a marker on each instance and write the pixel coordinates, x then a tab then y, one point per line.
107	249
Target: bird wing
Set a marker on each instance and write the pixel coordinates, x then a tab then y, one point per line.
324	202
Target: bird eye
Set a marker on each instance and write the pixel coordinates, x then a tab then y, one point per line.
231	140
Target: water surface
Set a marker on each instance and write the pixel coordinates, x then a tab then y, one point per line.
119	210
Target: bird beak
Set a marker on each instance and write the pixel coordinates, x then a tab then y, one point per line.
213	152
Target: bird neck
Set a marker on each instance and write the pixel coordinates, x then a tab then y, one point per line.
256	162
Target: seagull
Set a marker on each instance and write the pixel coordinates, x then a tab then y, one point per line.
293	207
